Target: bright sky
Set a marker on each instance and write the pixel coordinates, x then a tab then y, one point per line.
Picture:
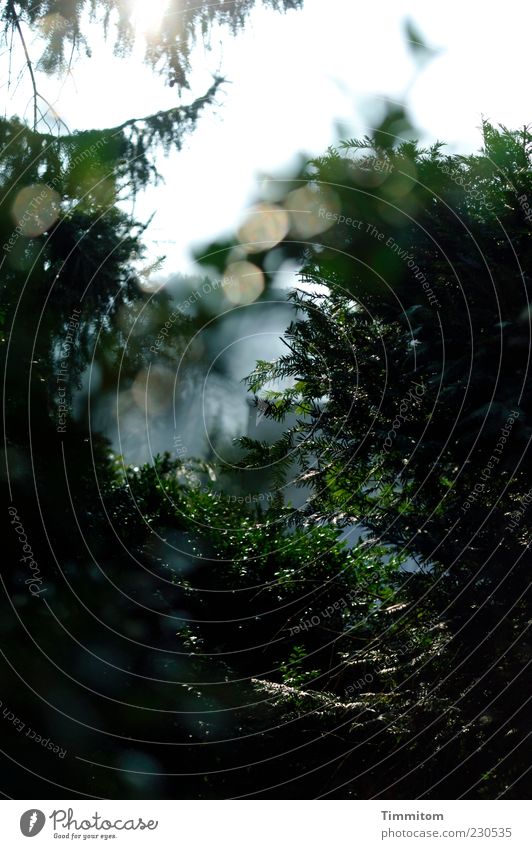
295	79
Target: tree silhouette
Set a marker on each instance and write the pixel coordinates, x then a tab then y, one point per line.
410	371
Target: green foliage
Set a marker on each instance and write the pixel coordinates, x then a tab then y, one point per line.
406	401
237	634
407	371
342	639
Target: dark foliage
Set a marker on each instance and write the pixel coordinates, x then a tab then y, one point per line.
410	372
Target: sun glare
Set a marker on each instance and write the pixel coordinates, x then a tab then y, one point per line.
148	15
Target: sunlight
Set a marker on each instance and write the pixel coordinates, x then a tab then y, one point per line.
147	15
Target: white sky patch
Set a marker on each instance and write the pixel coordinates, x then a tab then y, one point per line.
148	15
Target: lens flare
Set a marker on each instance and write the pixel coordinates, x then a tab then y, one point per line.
245	282
312	210
153	390
263	228
35	209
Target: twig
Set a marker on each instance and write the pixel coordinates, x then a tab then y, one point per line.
28	61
